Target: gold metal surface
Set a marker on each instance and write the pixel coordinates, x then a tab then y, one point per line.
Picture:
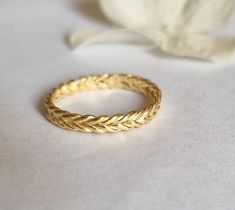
102	124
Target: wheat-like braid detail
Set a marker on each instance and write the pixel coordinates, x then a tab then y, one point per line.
102	124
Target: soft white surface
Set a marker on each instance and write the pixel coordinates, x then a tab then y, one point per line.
184	159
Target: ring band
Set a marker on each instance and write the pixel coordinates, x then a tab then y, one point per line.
104	123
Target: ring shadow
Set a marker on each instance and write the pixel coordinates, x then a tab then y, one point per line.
40	105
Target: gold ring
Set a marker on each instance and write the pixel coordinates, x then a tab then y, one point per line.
104	123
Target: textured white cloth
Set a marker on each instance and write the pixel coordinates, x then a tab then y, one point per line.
184	159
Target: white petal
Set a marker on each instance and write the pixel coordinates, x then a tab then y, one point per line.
142	13
86	37
175	26
206	15
204	47
171	15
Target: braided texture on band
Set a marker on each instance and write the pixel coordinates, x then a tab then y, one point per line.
102	124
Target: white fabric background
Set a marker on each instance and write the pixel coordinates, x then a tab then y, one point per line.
184	159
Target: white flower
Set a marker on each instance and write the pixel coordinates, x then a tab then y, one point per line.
179	27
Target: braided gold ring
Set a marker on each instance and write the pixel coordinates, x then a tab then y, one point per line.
104	123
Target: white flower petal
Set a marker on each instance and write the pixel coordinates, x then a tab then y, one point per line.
177	27
215	49
142	13
204	16
171	15
85	37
